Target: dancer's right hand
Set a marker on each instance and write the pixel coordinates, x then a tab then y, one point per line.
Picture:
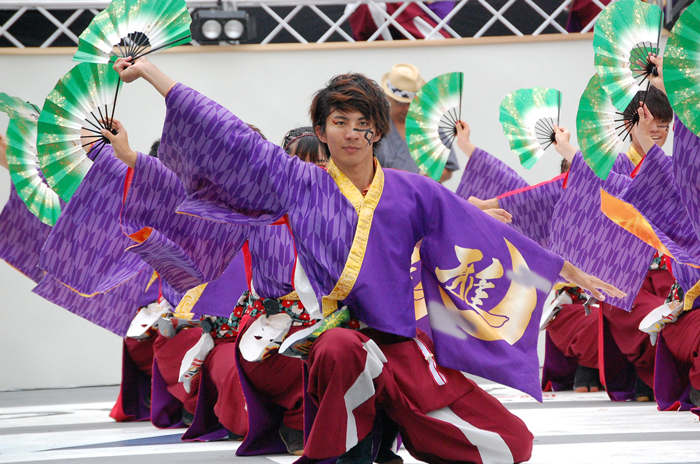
130	70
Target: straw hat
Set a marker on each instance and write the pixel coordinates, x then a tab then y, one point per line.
402	82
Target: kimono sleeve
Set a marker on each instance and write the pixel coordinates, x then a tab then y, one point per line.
485	176
228	171
584	236
533	207
22	235
654	193
113	310
185	250
85	249
686	170
485	285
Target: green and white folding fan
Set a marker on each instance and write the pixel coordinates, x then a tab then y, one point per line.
134	28
528	117
15	107
431	121
81	104
23	162
625	33
682	68
601	129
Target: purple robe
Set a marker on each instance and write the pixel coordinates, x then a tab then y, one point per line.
167	243
686	170
485	177
584	236
181	247
22	235
85	249
533	207
665	193
232	174
113	310
687	277
220	296
656	196
671	384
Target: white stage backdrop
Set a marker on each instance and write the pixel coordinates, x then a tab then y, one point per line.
271	87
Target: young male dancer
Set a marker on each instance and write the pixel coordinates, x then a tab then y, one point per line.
355	229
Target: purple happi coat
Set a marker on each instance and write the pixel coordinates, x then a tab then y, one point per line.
85	249
22	235
113	310
533	207
468	258
583	235
485	177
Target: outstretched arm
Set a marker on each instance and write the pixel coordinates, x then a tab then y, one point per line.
588	282
484	204
499	213
130	70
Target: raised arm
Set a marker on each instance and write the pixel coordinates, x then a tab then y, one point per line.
463	136
130	70
562	143
658	79
120	144
484	176
642	130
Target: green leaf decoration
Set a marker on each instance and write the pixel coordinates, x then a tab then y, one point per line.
134	28
430	122
79	106
682	68
527	117
625	33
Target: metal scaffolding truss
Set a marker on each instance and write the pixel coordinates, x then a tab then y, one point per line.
14	10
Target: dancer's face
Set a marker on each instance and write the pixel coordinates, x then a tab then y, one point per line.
349	136
659	132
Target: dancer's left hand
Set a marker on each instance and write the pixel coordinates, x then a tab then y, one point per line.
120	144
